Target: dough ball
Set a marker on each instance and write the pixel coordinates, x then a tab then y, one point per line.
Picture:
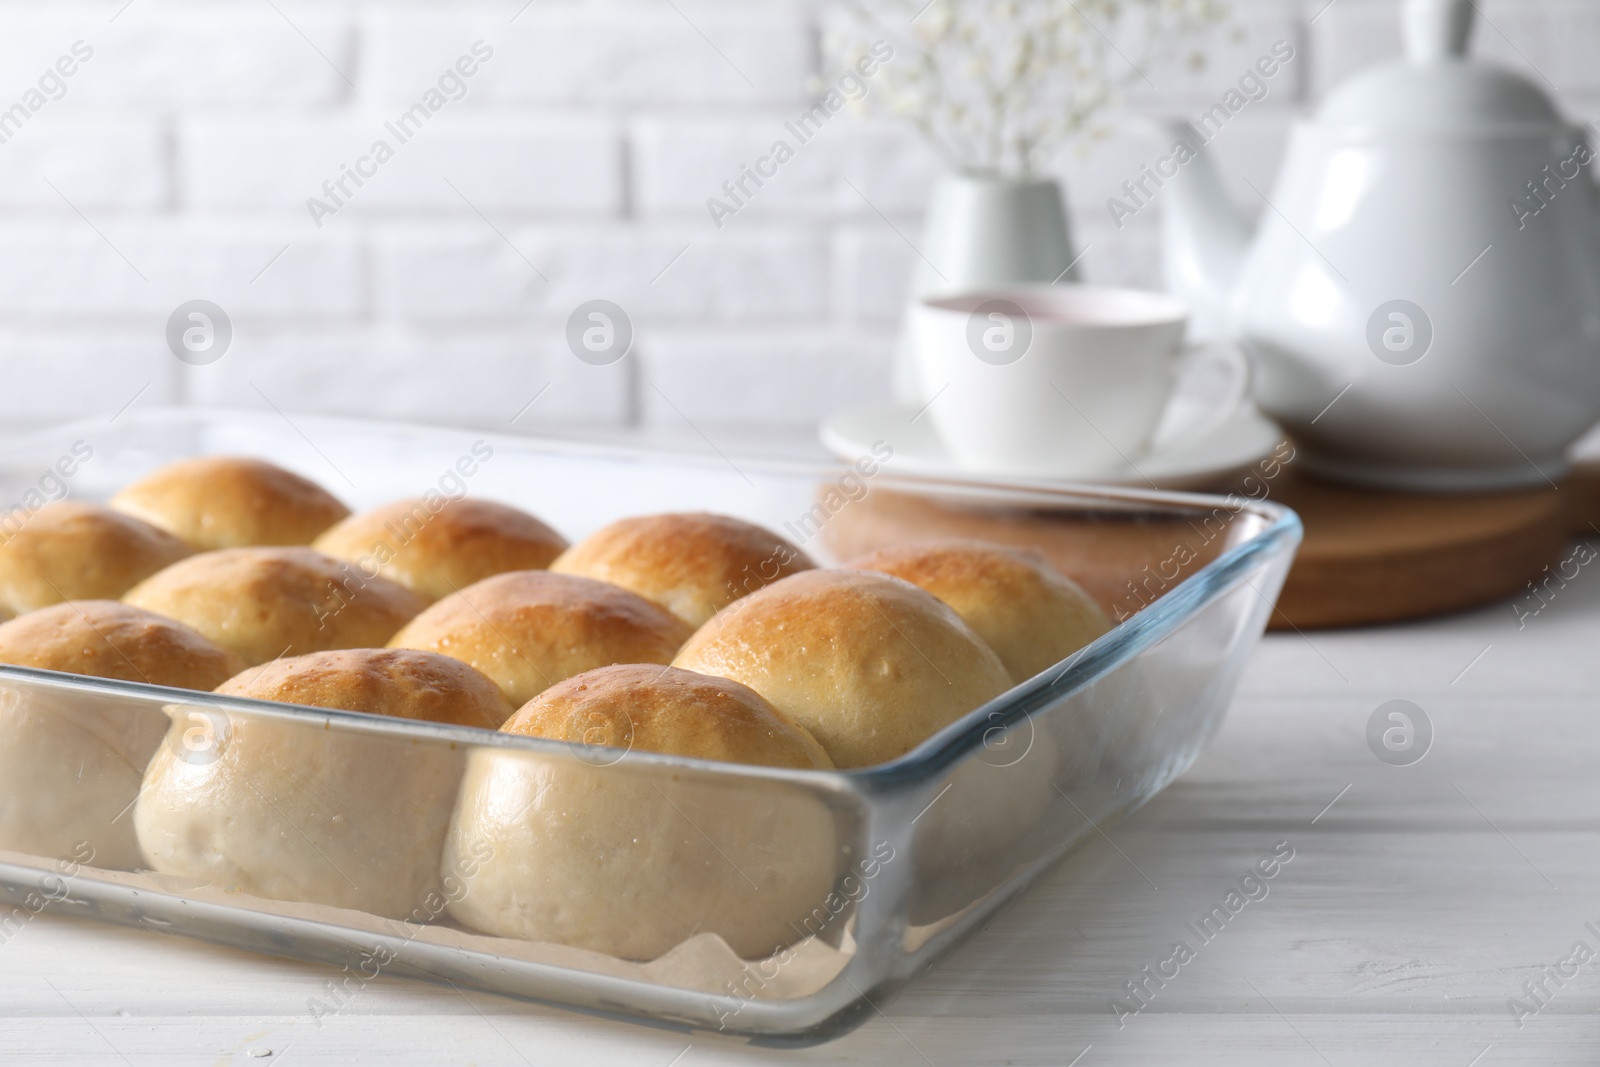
264	603
73	551
108	639
1022	607
312	811
438	552
592	850
663	709
398	682
70	762
871	665
231	502
528	630
691	564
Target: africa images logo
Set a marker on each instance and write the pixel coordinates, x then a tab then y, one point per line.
999	332
199	332
1399	332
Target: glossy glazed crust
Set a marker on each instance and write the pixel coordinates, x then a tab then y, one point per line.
870	664
73	551
403	683
268	602
107	639
1026	611
528	630
693	564
436	553
231	502
663	709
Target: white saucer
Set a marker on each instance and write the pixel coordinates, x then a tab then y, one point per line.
1226	454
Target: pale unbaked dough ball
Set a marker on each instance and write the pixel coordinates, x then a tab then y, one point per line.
439	552
1031	615
298	810
692	564
231	502
264	603
871	665
72	551
594	851
71	763
528	630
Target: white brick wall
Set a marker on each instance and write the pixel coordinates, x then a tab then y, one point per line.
575	166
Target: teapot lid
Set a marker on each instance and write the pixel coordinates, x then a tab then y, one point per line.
1436	86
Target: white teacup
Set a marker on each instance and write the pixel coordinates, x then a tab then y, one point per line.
1065	380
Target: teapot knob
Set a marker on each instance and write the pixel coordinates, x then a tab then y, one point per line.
1437	29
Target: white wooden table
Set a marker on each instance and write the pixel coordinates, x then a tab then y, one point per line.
1413	910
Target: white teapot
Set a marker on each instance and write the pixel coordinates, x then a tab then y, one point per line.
1421	302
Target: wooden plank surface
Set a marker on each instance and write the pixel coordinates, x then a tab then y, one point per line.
1413	910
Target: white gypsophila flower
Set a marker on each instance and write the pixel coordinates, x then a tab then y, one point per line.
1000	86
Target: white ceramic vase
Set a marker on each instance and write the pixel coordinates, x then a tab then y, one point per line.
983	232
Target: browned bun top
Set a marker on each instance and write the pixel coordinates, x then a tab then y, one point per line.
401	683
663	709
73	551
528	630
231	502
436	552
105	639
268	602
1030	614
870	664
692	564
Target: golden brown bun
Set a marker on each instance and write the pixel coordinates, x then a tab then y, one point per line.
528	630
691	564
1027	612
72	551
268	602
663	709
632	861
107	639
402	683
871	665
436	553
315	812
231	502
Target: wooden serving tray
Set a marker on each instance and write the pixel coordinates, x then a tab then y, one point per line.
1369	556
1373	557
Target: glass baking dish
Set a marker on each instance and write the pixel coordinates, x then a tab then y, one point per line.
815	896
